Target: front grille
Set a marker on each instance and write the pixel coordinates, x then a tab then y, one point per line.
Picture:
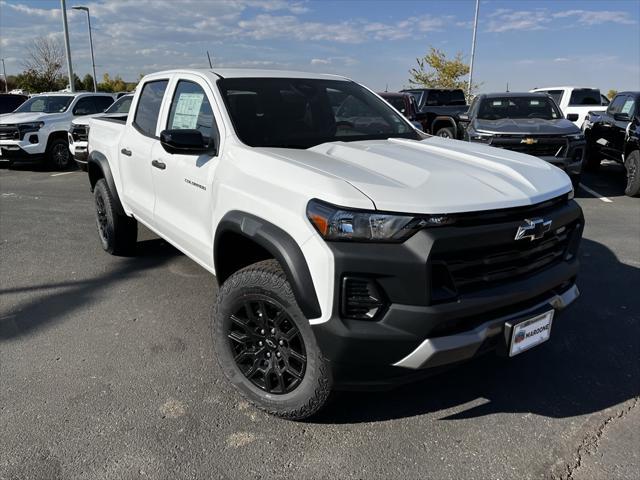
79	133
543	146
9	132
473	269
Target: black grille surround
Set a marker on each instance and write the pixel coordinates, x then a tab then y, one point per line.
536	145
79	133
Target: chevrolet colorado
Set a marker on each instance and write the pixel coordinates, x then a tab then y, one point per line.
615	134
350	250
37	129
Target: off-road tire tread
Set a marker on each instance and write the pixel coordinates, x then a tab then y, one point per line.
634	191
125	229
268	274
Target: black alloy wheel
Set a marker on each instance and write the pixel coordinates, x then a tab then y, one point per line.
267	346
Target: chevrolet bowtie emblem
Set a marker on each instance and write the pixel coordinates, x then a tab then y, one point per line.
533	229
529	141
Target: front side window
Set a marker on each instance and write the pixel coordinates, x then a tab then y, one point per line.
146	118
46	104
585	96
190	109
302	113
518	107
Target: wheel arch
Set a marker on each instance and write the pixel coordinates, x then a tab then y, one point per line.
444	121
254	239
97	168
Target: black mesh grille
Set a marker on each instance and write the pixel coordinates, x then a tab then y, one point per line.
537	146
477	268
361	299
9	132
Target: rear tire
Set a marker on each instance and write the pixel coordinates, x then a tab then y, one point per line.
632	165
265	345
446	132
118	233
58	154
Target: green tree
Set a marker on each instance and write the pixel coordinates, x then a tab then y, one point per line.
87	82
434	70
611	93
109	84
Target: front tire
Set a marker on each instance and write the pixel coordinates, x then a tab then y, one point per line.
58	154
118	233
265	345
632	165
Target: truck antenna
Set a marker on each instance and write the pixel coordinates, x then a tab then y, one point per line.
507	87
209	57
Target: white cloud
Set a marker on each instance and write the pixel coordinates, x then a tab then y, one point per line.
587	17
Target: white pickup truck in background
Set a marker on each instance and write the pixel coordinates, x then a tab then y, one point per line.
37	129
349	249
79	131
576	102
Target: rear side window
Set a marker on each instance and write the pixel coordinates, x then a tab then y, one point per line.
585	96
148	108
190	109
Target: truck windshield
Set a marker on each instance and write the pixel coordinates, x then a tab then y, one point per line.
45	104
496	108
121	105
302	113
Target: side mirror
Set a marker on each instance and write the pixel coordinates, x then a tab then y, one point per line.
573	117
463	117
621	117
187	141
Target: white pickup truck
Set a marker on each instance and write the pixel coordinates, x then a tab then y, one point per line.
349	250
37	129
576	102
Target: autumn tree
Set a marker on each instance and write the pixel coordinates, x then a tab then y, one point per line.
43	66
434	70
611	93
109	84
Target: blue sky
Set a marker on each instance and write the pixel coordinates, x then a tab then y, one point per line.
526	43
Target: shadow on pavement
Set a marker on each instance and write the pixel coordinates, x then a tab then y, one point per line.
610	180
591	362
59	299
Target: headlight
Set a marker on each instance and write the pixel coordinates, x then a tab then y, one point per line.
31	127
335	223
576	137
480	136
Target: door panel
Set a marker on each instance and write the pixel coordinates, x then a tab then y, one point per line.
184	201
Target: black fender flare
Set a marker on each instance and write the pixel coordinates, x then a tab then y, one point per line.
445	119
281	246
97	168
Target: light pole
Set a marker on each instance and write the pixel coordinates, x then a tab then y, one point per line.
93	62
473	50
63	7
4	72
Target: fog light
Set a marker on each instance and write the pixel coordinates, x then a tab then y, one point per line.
362	299
33	139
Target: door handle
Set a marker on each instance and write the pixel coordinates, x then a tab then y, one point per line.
159	164
126	152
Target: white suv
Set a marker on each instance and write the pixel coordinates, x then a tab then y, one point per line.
37	129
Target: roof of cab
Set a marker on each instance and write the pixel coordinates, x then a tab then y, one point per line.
253	73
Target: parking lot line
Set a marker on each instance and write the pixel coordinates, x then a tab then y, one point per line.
63	173
596	194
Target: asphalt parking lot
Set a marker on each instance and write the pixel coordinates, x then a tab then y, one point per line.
106	368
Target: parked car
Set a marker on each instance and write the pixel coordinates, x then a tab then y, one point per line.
529	123
576	102
347	252
10	101
405	103
37	129
79	131
439	109
615	134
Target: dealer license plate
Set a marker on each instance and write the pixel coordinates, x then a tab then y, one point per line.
531	332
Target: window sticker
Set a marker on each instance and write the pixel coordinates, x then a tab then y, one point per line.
187	110
628	106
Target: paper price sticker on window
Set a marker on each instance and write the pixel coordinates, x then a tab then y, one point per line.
187	110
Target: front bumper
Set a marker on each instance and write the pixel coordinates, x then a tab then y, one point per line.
431	321
12	153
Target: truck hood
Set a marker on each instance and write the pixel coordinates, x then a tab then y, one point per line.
28	117
527	126
435	175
